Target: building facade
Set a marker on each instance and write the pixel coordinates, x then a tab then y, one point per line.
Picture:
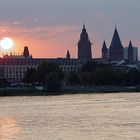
13	67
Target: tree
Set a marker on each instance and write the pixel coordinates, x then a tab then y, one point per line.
103	76
84	78
73	78
97	77
53	82
89	67
47	73
132	77
46	68
4	83
30	76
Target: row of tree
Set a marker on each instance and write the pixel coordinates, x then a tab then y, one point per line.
90	74
104	74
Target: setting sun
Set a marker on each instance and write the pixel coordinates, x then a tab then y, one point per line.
6	43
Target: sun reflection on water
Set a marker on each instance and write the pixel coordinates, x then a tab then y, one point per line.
9	128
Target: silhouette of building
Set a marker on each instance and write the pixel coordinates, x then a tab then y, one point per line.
116	50
104	51
13	67
26	52
68	55
131	53
84	46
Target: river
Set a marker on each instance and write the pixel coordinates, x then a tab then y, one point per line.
113	116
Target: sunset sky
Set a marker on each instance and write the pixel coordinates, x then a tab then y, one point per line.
51	27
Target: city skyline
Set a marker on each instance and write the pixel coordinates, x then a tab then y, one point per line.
44	24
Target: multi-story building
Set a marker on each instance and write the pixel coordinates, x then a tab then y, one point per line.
13	67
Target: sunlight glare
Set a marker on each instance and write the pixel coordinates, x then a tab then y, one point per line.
6	43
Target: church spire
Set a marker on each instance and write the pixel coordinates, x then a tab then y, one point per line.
84	35
84	26
130	44
104	51
116	42
68	54
116	51
130	52
104	47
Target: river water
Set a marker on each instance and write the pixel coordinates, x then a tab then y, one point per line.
71	117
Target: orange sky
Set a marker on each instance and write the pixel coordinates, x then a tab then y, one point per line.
51	27
46	42
52	41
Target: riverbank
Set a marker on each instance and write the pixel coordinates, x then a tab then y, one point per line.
66	90
107	89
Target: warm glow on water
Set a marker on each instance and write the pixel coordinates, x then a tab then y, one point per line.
8	128
71	117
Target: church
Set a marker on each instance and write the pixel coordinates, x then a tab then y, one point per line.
116	52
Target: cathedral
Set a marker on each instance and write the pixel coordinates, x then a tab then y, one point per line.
116	51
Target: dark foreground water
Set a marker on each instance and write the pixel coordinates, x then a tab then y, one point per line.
71	117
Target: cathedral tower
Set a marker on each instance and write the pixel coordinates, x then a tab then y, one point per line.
68	55
130	52
84	46
104	51
116	50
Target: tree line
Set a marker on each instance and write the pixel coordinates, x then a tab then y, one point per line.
96	74
90	74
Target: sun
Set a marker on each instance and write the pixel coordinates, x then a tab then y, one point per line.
6	43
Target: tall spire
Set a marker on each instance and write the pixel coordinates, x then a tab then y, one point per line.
130	44
84	26
104	47
116	42
104	51
84	35
130	52
116	51
68	54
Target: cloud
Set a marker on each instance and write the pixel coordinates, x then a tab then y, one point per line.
40	32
